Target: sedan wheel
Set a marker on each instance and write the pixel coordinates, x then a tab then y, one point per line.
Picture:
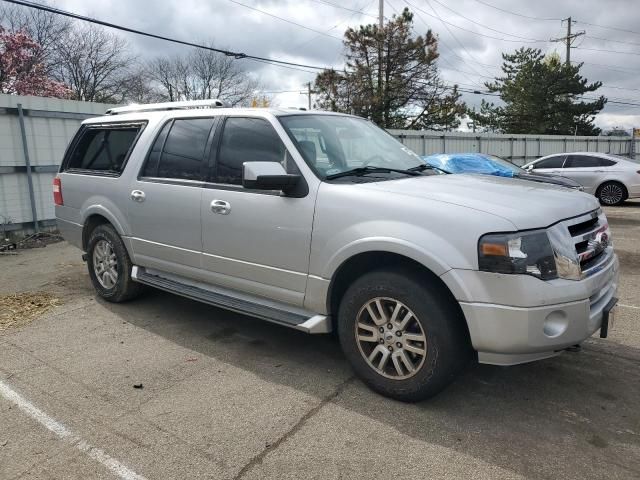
611	194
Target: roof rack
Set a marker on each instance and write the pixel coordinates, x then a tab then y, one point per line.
153	107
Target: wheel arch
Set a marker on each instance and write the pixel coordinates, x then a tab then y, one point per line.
364	262
100	216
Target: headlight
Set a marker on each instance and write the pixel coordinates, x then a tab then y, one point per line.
527	253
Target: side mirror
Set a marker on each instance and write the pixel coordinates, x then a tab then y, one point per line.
268	176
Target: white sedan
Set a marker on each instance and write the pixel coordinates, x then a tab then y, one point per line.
611	178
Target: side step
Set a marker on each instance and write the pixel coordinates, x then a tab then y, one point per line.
254	306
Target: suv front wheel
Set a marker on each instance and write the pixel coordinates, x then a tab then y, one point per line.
403	338
110	266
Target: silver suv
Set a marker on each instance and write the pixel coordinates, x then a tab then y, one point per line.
320	222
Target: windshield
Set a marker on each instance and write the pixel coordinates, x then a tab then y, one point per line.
332	144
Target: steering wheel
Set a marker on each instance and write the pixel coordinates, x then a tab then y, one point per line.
369	160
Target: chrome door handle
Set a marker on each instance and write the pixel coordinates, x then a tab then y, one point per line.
137	196
221	207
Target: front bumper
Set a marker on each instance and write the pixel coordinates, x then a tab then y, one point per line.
535	324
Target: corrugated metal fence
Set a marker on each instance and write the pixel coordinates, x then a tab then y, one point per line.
519	149
34	133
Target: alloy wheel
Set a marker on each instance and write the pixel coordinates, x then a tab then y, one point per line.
105	264
390	338
611	194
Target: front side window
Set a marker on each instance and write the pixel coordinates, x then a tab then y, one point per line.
178	151
551	162
332	144
247	139
103	148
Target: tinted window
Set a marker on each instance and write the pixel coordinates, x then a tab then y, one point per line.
151	165
551	162
248	140
181	154
585	161
103	148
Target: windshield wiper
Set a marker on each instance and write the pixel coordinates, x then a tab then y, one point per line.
370	169
426	166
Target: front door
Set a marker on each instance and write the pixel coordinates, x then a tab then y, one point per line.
164	211
254	241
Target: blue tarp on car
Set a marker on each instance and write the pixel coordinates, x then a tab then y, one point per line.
469	163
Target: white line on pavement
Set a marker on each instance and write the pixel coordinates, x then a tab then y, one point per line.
67	435
628	306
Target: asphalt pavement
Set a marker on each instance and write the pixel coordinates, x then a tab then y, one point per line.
164	387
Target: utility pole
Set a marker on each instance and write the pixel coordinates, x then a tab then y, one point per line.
381	14
568	40
308	93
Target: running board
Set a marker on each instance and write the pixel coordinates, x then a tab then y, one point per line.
265	309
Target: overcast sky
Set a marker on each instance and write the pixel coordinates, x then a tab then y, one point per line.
466	57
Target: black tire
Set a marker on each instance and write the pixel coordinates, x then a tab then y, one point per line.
448	349
124	287
611	193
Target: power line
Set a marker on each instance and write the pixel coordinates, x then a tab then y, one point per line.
485	26
611	40
607	51
345	8
607	27
437	15
519	14
229	53
285	20
472	31
615	68
451	50
346	20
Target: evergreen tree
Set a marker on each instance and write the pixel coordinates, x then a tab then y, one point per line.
541	95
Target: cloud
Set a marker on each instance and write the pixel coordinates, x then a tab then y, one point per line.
467	57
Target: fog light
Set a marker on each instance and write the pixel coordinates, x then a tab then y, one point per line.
555	324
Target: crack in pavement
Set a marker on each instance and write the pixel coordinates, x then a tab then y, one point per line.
257	460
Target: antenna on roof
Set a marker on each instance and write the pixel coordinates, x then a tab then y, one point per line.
153	107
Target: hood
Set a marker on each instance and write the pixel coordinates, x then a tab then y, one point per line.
524	203
555	179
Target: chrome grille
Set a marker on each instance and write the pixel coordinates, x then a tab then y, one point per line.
592	240
581	245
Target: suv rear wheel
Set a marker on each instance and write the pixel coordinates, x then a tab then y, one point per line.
110	266
403	339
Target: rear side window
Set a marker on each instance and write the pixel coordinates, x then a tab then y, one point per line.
586	161
178	151
552	162
103	148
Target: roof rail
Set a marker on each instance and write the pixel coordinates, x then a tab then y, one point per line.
153	107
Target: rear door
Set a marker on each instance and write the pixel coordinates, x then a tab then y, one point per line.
551	165
165	198
259	242
587	170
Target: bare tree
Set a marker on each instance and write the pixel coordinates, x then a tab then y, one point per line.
203	74
93	62
219	76
45	28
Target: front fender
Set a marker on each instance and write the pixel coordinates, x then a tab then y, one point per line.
385	244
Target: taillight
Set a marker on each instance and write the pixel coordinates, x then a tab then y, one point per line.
57	191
